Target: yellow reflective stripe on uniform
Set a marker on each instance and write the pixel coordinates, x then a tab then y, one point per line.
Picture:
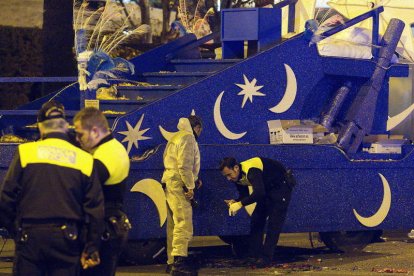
56	152
255	162
116	160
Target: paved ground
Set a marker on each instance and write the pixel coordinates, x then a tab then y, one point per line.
295	256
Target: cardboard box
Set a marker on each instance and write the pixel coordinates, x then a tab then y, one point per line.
293	132
379	148
383	137
275	131
387	146
384	143
298	135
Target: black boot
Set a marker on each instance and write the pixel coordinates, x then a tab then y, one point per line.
168	268
263	262
260	262
182	267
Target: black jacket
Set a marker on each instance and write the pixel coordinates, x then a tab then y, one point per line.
263	175
51	180
112	165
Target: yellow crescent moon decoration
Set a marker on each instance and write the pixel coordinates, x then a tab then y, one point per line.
166	134
153	189
377	218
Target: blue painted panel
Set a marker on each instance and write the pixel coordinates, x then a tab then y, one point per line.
240	24
270	27
269	70
203	65
156	59
233	49
259	25
330	186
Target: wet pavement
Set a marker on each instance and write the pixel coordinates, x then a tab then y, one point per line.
295	255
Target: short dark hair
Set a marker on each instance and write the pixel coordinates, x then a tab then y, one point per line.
90	117
228	162
195	121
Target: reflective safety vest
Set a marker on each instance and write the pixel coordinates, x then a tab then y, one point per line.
115	158
255	162
56	152
55	179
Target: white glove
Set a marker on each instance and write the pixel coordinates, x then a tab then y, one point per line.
234	208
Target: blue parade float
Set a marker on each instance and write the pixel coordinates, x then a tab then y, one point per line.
343	191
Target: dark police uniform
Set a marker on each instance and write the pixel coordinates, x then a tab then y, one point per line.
49	192
272	194
112	164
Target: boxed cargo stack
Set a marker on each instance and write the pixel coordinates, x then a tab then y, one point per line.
294	131
385	144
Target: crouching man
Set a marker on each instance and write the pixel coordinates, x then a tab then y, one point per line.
272	187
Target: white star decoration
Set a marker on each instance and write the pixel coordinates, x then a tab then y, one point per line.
133	135
249	90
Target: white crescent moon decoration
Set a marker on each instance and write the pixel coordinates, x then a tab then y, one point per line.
399	118
377	218
220	124
153	189
290	92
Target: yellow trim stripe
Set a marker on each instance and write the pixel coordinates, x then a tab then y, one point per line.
116	160
56	152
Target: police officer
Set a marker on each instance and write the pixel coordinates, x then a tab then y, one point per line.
182	165
49	193
271	192
112	164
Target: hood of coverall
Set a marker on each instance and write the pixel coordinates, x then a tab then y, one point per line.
184	124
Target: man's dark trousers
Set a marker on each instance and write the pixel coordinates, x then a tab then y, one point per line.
274	207
44	249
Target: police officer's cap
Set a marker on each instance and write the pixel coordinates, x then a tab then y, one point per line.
51	110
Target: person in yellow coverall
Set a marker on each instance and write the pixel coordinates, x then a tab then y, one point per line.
182	165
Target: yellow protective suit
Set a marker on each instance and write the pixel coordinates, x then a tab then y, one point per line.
182	165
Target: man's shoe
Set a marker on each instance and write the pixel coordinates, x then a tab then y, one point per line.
250	261
168	268
183	273
257	262
181	267
263	262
